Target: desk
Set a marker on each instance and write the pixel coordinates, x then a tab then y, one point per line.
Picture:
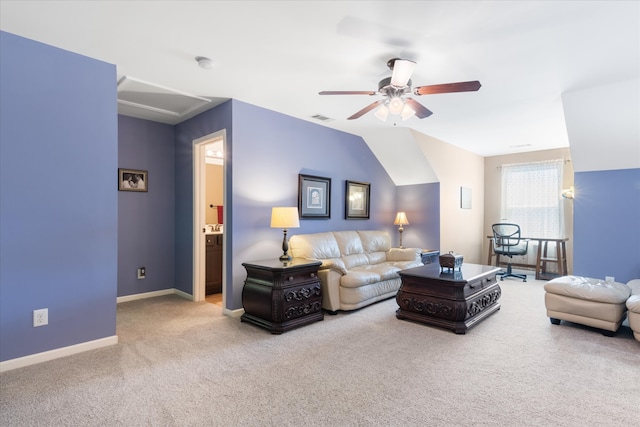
542	258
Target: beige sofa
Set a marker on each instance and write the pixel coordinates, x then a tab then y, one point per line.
633	305
358	267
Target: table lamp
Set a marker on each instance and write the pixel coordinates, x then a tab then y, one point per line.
401	219
285	218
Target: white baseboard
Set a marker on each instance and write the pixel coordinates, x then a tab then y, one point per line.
153	294
144	295
183	294
233	313
57	353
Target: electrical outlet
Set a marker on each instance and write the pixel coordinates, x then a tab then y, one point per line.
40	317
609	279
142	272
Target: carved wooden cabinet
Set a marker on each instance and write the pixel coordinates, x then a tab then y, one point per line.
280	295
213	269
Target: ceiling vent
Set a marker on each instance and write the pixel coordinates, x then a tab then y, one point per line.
321	118
145	100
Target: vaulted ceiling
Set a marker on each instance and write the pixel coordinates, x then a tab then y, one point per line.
280	54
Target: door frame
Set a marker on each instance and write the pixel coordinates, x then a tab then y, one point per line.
198	287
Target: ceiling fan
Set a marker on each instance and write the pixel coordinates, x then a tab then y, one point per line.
395	88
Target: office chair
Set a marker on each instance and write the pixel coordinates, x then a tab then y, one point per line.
507	241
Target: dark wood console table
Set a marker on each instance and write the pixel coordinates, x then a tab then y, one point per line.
450	299
280	296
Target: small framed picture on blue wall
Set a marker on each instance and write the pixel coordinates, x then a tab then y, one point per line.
132	180
314	197
356	204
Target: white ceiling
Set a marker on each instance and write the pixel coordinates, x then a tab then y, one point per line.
280	54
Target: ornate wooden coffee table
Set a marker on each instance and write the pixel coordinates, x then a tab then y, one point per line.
451	299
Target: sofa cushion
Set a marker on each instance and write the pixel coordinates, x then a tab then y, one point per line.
375	241
376	257
403	265
353	298
372	273
589	289
405	254
314	246
349	242
355	260
384	270
356	278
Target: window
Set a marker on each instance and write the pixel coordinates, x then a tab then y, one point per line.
531	198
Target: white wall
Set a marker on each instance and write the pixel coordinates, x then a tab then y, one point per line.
397	151
603	126
461	230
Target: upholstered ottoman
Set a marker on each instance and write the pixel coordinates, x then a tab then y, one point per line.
590	302
633	305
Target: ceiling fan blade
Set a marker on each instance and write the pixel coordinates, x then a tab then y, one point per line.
402	70
421	110
365	110
447	88
347	92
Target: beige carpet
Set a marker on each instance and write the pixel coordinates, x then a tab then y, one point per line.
184	364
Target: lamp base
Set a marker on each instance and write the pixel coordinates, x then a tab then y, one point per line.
285	247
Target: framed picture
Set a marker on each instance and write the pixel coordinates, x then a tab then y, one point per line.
356	203
465	198
132	180
314	196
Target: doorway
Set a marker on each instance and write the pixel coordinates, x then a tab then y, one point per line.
215	142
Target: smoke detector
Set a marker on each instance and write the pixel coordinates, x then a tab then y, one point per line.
204	62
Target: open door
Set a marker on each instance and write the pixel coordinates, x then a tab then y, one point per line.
199	216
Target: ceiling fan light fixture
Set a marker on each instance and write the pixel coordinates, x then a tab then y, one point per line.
396	104
402	70
407	112
382	113
396	92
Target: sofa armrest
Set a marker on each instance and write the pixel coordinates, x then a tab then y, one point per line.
330	286
634	284
333	264
404	254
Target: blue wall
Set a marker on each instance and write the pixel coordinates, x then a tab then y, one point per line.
58	197
146	221
206	123
421	203
606	224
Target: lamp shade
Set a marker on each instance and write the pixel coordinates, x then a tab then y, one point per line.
407	112
401	219
284	217
569	193
396	104
382	113
402	69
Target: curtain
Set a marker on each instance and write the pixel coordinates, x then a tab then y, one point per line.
531	198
